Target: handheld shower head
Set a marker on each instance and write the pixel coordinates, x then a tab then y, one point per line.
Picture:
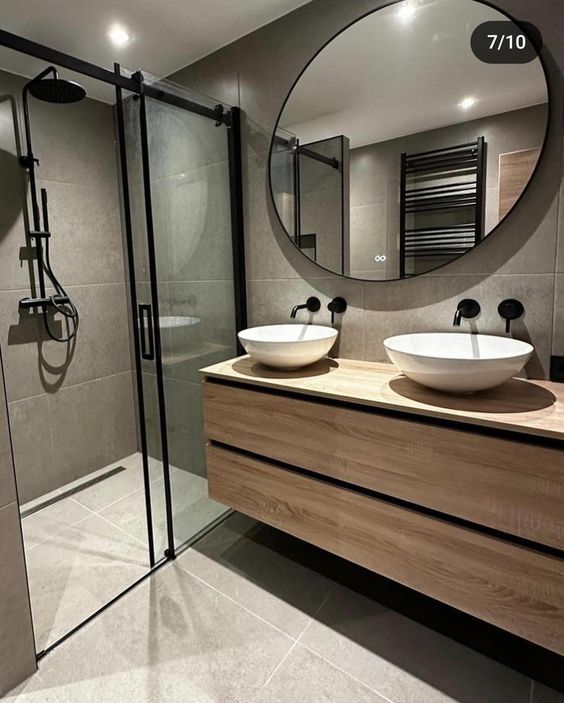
57	90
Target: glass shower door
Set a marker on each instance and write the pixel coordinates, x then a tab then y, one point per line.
186	290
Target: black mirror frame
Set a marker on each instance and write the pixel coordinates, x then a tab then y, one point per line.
523	26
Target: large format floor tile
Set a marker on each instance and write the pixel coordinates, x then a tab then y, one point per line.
237	560
101	494
49	521
404	661
171	639
192	509
307	678
76	571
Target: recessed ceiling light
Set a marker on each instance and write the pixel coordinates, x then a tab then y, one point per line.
406	11
118	35
467	103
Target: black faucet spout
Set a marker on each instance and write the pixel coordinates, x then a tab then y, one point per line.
312	305
295	310
457	318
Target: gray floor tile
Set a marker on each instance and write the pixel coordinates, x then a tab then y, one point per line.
543	694
40	501
107	491
192	509
172	639
33	690
307	678
76	571
237	559
404	661
49	521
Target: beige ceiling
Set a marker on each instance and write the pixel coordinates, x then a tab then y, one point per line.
165	34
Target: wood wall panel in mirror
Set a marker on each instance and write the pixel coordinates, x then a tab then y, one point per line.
397	149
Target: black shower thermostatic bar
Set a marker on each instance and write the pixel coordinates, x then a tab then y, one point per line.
43	303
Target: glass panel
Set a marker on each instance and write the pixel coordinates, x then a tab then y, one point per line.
190	195
321	202
282	179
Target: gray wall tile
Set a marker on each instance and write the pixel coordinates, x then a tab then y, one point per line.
74	143
198	224
181	141
80	416
36	471
558	337
17	647
86	246
35	364
7	475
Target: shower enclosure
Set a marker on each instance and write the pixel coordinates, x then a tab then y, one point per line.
310	186
179	158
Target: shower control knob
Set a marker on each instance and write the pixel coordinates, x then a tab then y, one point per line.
509	310
337	306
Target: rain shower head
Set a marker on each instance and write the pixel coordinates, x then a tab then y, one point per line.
57	90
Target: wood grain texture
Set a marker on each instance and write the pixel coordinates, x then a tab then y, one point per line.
515	171
510	586
504	484
530	407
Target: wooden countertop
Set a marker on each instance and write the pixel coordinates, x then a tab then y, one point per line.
530	407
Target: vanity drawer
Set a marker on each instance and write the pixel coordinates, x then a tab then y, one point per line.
511	586
512	486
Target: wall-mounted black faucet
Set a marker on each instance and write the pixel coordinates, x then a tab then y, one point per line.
337	306
312	305
509	310
466	309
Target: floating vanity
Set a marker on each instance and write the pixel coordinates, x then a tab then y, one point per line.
460	498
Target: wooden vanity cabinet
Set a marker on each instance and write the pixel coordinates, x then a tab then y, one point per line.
470	517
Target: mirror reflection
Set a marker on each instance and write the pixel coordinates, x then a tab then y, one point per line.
398	150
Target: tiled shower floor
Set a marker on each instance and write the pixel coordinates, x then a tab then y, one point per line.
238	618
85	549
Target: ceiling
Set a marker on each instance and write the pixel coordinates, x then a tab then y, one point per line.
166	35
390	75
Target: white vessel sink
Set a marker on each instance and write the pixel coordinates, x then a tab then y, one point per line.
288	346
458	362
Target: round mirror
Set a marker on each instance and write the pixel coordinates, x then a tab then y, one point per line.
398	149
